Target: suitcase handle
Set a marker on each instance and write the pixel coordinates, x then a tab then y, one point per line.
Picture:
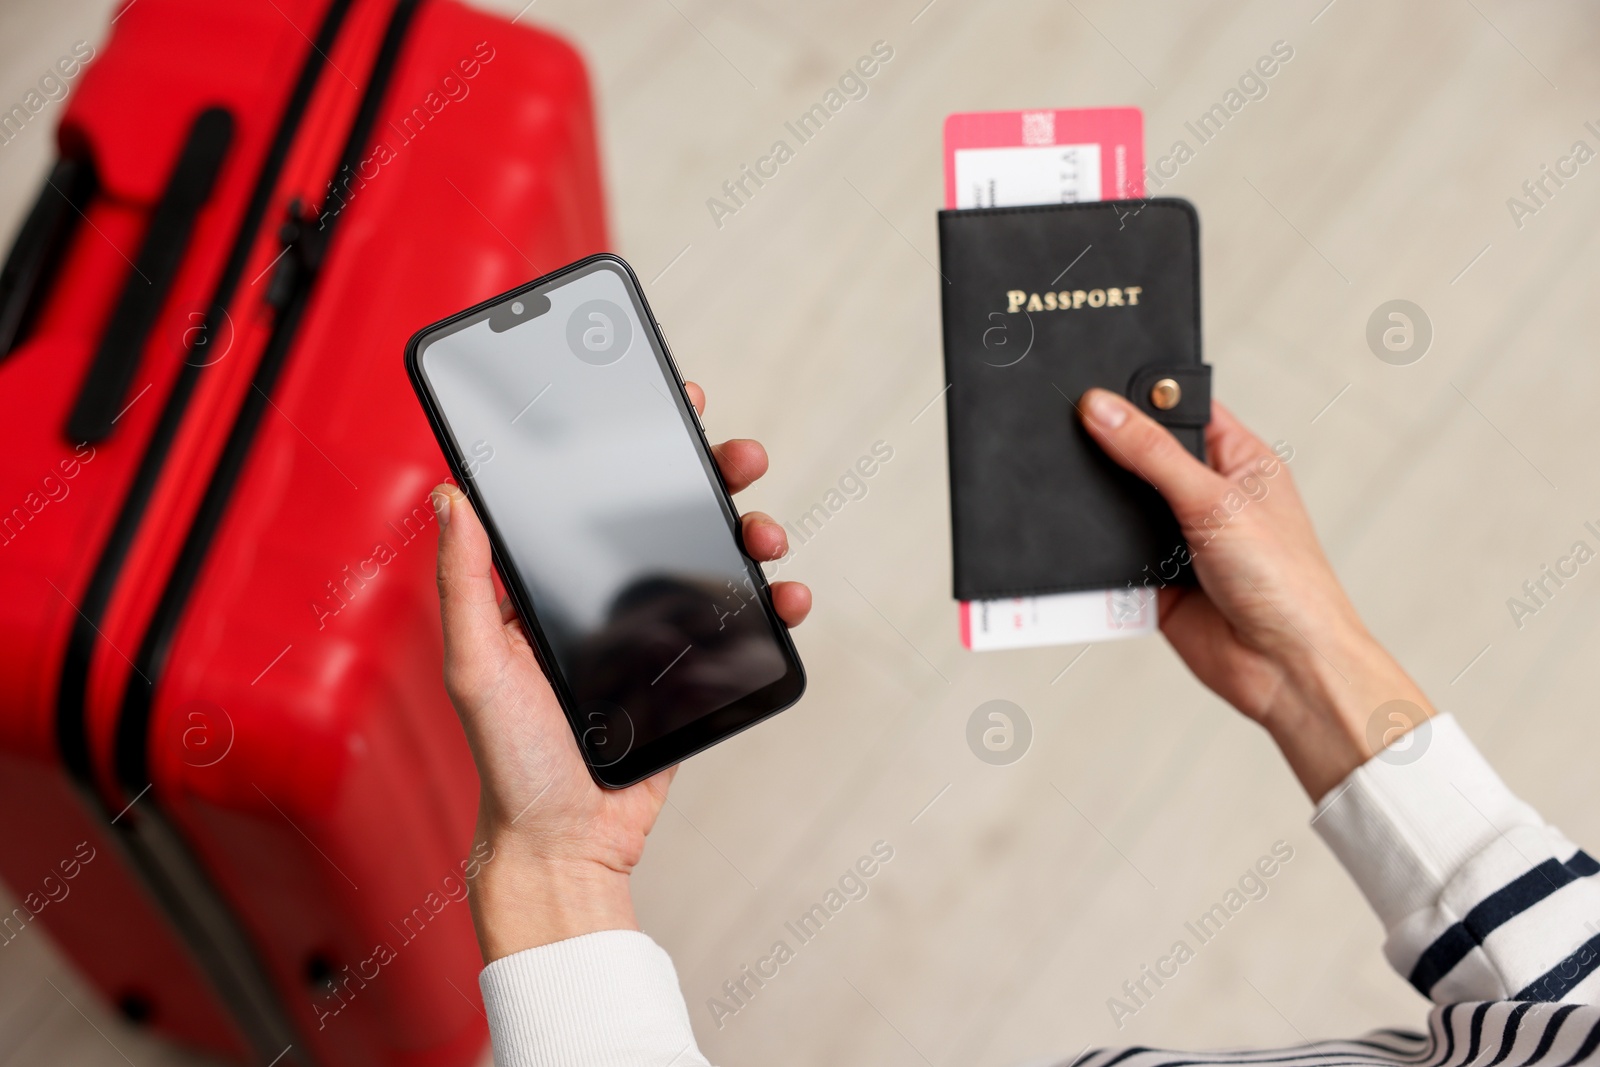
41	246
100	398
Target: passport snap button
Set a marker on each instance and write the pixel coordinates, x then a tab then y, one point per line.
1165	394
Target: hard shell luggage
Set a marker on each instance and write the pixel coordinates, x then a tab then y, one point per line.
242	803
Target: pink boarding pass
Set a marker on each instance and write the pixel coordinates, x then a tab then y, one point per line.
1021	158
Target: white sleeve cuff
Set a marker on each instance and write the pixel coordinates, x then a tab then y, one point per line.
1406	821
607	999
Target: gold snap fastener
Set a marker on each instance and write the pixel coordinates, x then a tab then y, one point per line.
1165	394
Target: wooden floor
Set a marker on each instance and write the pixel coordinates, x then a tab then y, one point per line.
1020	898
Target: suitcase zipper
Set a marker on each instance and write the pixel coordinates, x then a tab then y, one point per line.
188	892
154	848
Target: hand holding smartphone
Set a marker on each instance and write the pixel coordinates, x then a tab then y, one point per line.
566	424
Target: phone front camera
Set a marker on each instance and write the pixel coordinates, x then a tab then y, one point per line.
513	313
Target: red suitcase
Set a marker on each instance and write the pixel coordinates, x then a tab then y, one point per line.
241	801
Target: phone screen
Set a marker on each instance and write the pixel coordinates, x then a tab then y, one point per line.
567	417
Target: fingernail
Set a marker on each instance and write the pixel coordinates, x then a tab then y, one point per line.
441	506
1106	409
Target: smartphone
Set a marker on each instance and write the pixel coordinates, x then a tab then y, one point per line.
565	422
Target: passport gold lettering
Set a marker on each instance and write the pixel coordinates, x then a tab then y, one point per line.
1073	299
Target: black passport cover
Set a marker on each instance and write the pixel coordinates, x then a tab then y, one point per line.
1036	507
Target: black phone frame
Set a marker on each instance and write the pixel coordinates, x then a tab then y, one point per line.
707	730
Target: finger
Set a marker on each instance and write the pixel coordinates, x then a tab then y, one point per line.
508	610
1138	443
764	539
741	461
792	602
697	397
1168	599
1205	640
1197	632
1230	446
466	584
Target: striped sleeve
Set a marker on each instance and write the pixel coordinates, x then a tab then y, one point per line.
1481	898
1489	1034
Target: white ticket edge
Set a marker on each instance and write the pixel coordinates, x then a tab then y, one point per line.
1058	619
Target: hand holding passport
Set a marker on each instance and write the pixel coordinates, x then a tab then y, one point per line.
1055	543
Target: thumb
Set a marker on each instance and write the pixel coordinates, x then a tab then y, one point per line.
467	600
1140	444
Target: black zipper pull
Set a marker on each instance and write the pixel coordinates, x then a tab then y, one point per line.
303	244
